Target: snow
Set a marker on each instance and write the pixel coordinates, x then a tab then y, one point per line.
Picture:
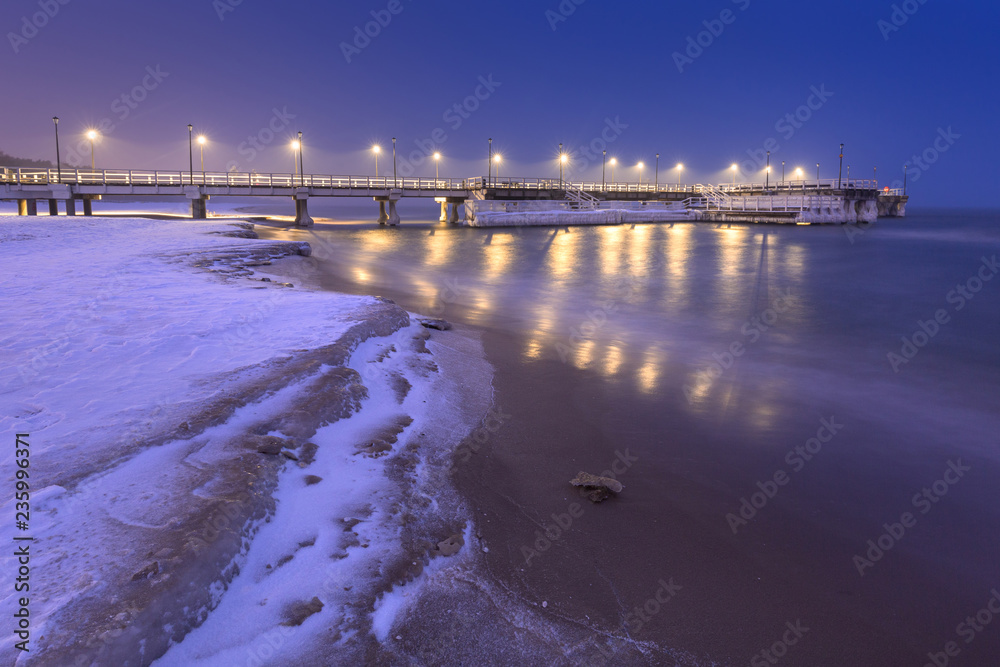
116	330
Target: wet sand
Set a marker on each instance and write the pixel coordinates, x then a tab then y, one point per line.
786	581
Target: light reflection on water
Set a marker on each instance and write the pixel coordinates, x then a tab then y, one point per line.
657	307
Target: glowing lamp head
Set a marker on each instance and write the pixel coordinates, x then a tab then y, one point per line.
202	140
680	167
640	165
498	158
564	158
613	162
376	149
734	167
798	171
92	135
296	145
437	157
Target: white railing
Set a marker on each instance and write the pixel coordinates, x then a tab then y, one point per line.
132	177
251	180
535	205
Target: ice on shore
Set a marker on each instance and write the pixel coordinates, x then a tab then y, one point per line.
118	335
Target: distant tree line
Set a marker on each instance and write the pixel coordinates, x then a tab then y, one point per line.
11	161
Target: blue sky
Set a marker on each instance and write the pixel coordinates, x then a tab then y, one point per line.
705	84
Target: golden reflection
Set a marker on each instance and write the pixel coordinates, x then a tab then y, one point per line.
613	358
584	354
612	240
732	250
794	262
362	276
439	249
562	258
533	350
648	375
639	246
498	254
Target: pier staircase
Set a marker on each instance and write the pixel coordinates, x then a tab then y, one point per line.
578	199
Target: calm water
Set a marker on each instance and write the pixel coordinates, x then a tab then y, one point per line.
704	356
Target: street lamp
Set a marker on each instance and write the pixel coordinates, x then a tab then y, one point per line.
376	150
680	168
55	121
841	172
563	161
92	135
656	181
296	145
905	167
302	171
614	161
817	174
640	167
437	165
191	151
798	172
734	168
201	145
875	177
604	171
489	163
394	183
767	177
497	159
782	171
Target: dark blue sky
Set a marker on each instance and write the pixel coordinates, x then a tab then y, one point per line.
607	69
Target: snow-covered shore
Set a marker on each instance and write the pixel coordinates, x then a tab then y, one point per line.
158	378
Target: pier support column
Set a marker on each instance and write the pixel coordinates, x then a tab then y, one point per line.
383	217
22	207
32	207
302	217
393	215
88	207
444	212
53	207
453	212
70	207
199	209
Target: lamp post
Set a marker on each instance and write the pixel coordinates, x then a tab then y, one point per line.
201	145
560	165
92	136
905	166
640	167
680	168
656	178
798	173
782	171
437	165
55	121
841	172
767	176
497	159
817	174
489	163
604	171
875	177
395	184
614	161
191	151
848	175
302	171
296	145
376	149
734	168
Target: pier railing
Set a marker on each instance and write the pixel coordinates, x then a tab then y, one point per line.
135	177
252	180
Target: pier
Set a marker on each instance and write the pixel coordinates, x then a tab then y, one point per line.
830	201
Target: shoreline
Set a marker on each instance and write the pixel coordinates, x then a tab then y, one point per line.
195	539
